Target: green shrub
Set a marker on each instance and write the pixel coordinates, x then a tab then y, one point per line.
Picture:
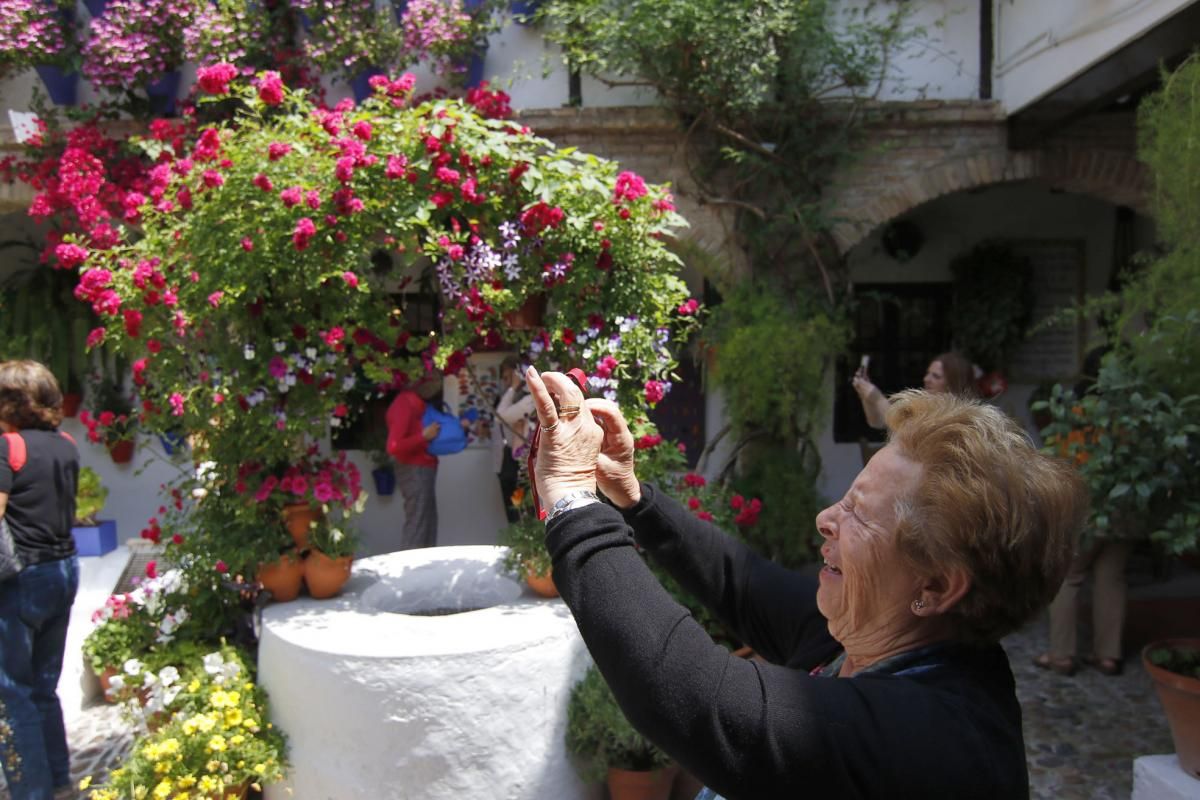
601	737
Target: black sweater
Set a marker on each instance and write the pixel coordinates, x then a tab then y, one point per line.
944	725
41	497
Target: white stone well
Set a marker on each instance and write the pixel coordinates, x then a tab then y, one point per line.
381	699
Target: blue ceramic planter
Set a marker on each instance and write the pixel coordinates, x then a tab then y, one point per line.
385	481
361	86
95	7
164	92
96	540
524	11
171	442
63	87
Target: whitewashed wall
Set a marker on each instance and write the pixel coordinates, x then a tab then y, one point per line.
1040	45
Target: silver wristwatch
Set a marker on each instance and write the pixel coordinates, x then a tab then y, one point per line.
570	500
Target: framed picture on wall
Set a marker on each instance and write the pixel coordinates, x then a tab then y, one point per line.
473	392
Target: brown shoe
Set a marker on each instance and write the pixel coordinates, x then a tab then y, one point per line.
1063	666
1105	666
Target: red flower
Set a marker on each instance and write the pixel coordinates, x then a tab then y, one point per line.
221	567
568	336
215	79
277	150
736	502
362	130
694	480
270	88
70	256
704	515
291	196
655	392
304	232
693	503
152	567
629	186
263	182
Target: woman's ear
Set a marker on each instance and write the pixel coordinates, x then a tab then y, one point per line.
943	592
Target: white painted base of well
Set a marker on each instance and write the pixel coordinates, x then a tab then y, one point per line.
379	703
1161	778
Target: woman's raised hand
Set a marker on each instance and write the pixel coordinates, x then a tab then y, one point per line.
614	470
570	441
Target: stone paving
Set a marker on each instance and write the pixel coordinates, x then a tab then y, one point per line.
1081	733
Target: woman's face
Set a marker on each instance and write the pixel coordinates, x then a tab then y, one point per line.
865	590
935	378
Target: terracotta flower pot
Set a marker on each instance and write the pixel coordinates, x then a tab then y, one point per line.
105	679
282	578
121	452
298	517
529	315
1180	698
624	784
541	584
324	575
71	403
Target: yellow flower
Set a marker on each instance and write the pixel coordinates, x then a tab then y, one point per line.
220	699
187	782
249	722
85	783
208	784
213	766
217	744
163	790
162	768
261	769
233	717
236	739
139	793
194	686
170	746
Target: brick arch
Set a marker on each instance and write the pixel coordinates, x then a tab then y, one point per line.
1112	175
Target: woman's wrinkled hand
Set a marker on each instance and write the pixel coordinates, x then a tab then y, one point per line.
570	440
615	467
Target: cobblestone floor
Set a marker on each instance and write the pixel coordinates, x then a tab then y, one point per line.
1081	733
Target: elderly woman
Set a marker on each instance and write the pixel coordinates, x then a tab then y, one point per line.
948	372
884	676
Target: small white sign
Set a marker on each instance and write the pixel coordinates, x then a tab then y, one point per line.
24	125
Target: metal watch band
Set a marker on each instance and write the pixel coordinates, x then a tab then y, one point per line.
576	499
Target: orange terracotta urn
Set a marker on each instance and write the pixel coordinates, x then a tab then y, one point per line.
324	575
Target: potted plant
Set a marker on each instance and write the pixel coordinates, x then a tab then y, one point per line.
526	556
123	631
111	420
93	537
1174	666
993	304
447	34
327	566
348	38
383	472
300	488
41	35
608	746
139	45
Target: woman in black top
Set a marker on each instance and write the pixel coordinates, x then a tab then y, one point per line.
37	500
885	676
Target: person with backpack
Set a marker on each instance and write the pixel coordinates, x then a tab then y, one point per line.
39	577
510	432
418	432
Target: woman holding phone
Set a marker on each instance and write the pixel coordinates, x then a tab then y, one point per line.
948	372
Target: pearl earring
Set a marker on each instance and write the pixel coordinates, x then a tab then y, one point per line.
918	606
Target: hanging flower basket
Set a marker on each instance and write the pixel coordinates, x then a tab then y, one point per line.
385	481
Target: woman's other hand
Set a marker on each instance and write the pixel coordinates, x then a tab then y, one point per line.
569	445
614	470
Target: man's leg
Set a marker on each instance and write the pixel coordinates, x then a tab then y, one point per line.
418	487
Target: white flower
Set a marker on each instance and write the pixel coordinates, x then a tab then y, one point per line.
168	675
213	663
115	684
249	352
280	347
311	352
132	667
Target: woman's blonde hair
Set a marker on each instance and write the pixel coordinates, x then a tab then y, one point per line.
988	503
29	396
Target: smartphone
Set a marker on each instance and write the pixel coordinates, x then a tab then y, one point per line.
864	363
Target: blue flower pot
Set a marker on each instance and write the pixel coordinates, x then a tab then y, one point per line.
385	481
472	69
95	540
171	442
524	10
63	87
305	21
361	86
95	7
164	92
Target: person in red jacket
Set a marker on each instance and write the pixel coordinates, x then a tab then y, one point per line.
416	468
